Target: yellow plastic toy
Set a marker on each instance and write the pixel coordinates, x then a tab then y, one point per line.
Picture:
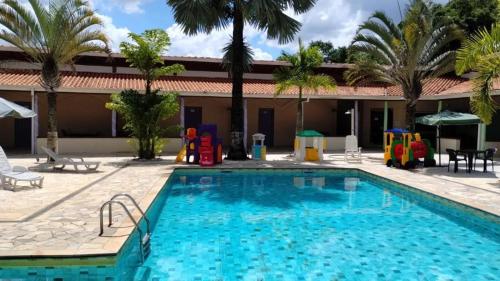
258	148
309	146
181	154
403	149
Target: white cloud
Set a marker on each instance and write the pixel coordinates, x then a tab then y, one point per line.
115	34
201	45
127	6
329	20
259	54
337	20
208	45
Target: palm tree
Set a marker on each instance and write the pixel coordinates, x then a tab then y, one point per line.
481	54
405	54
52	36
269	15
300	75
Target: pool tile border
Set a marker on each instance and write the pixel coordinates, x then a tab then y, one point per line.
116	244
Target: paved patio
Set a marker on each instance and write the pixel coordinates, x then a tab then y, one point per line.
61	219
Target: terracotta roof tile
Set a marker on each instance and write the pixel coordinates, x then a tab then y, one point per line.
220	86
431	87
466	87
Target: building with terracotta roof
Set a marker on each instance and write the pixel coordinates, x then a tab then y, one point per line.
205	97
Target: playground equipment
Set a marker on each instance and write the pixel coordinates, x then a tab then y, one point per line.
403	149
202	146
309	146
258	148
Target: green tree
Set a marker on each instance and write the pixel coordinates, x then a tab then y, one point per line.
267	15
481	53
415	50
330	53
472	15
144	112
52	36
300	76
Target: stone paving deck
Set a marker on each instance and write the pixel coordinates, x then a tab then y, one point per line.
61	219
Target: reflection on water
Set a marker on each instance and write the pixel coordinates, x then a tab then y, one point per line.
386	199
351	185
302	182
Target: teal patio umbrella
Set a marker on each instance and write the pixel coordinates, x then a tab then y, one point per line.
445	118
10	109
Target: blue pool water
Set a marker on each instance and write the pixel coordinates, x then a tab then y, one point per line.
303	225
290	225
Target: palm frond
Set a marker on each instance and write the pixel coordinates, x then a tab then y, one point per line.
203	16
388	22
365	72
227	58
316	82
300	72
481	53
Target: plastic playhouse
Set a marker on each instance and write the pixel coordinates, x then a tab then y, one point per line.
309	146
258	148
201	146
405	149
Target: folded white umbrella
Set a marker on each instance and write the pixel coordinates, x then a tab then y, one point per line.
10	109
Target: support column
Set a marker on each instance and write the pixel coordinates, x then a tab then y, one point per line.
481	136
386	120
113	123
182	122
438	130
245	123
353	127
356	119
34	122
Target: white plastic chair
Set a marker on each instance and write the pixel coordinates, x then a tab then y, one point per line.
63	161
352	151
11	175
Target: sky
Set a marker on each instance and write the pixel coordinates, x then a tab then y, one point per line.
328	20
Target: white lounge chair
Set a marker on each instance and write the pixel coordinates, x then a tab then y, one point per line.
61	162
11	175
352	151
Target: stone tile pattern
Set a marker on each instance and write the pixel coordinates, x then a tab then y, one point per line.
71	227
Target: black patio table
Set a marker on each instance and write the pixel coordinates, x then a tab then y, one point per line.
470	153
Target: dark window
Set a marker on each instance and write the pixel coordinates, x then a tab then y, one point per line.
266	125
343	119
192	117
377	125
493	130
22	130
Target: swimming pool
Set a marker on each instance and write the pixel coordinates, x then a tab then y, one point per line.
304	225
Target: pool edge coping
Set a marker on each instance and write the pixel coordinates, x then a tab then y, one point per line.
116	244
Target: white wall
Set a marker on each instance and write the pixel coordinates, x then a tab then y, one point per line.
448	143
335	144
104	145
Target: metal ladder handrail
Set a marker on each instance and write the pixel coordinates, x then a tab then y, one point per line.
148	228
101	212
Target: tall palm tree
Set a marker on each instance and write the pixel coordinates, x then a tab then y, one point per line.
52	36
197	16
300	75
416	49
481	53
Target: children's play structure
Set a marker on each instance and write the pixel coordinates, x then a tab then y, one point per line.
309	146
404	149
258	148
201	146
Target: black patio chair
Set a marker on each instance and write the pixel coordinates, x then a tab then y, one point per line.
455	157
488	154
